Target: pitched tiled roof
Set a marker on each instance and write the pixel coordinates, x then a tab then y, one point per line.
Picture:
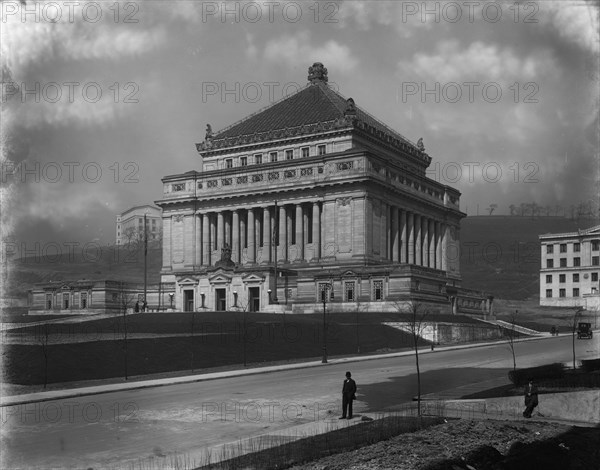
316	103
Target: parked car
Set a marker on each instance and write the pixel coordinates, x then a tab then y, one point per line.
584	330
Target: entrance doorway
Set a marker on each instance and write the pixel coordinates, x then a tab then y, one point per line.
220	302
254	299
188	300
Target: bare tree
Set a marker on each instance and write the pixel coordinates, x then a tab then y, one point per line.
126	300
43	339
417	313
510	335
576	318
492	208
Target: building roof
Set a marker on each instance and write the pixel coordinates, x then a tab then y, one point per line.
314	108
592	231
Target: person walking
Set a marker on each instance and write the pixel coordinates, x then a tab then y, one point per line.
348	395
137	307
531	398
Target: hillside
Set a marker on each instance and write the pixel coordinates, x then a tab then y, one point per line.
499	254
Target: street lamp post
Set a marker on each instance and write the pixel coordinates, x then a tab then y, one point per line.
269	292
324	298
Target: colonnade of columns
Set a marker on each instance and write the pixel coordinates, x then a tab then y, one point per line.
415	238
250	233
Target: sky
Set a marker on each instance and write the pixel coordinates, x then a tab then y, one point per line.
100	100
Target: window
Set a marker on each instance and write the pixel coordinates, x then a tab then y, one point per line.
576	261
273	156
48	301
549	249
562	292
548	278
576	292
83	301
563	262
595	245
321	149
306	172
65	301
349	291
324	291
563	247
548	292
576	277
258	159
289	154
562	278
212	184
595	260
576	247
549	263
377	290
229	163
594	277
305	152
243	161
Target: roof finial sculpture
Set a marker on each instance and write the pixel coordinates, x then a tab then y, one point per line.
420	144
317	73
350	108
209	132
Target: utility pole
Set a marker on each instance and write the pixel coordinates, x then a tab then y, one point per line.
145	260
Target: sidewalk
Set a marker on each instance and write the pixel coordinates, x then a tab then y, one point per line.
109	388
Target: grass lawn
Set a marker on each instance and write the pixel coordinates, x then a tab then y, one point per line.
218	340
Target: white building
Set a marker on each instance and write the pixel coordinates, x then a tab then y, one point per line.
569	275
130	224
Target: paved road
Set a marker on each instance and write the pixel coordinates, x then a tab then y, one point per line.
158	425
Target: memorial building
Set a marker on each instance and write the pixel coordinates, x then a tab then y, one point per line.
312	199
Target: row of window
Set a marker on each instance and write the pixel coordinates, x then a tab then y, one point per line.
562	292
563	278
257	159
576	262
65	300
576	247
326	294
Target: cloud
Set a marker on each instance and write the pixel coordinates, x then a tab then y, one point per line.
576	21
451	63
288	48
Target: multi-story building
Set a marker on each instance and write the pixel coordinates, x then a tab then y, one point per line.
570	269
312	199
130	224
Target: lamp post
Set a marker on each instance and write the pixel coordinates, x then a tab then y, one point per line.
171	295
269	292
324	294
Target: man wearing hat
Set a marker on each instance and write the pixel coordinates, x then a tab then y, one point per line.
348	394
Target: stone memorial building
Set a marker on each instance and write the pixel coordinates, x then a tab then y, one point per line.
312	199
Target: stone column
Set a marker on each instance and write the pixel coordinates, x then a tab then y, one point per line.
282	254
444	247
431	244
257	239
418	245
299	233
438	245
395	235
316	231
227	228
410	249
267	234
235	238
251	253
403	235
213	232
220	230
289	228
425	244
205	240
243	237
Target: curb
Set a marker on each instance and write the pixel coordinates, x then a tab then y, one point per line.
100	389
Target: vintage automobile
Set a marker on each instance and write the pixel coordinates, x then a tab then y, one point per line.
584	330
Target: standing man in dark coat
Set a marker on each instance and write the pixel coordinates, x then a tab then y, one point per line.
348	395
531	398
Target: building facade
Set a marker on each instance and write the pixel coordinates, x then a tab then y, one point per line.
130	224
311	199
570	271
86	296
